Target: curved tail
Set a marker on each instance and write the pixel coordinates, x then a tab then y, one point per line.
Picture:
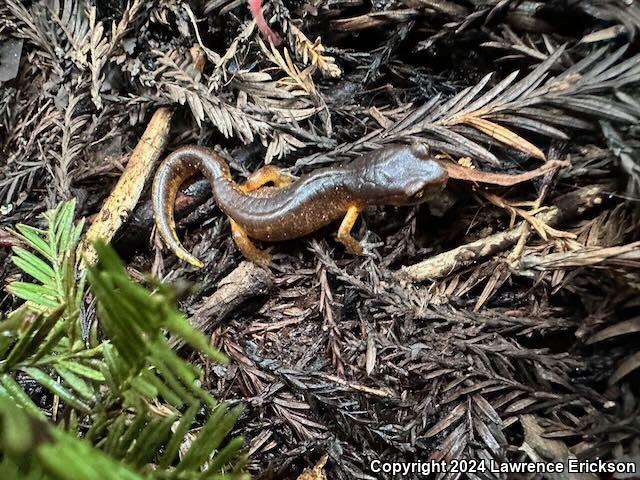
178	167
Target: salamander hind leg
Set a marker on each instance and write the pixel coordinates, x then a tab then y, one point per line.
344	232
247	247
264	175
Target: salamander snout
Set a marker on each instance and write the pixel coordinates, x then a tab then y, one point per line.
423	181
409	176
399	175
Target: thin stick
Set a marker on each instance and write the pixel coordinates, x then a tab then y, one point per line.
124	197
569	206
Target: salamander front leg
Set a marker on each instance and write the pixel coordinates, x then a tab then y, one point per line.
247	247
267	174
344	232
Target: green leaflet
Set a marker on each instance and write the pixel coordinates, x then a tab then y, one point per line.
127	402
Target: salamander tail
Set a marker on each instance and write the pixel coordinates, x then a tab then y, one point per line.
178	167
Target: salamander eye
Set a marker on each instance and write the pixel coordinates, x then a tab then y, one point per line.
420	150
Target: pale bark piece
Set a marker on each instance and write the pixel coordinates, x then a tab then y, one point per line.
317	472
116	209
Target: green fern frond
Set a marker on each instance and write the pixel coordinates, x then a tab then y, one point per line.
51	265
34	449
136	399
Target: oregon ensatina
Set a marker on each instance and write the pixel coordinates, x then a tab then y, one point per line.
395	175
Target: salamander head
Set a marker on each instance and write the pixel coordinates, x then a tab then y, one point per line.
403	175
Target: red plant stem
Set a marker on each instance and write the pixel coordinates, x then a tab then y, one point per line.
255	6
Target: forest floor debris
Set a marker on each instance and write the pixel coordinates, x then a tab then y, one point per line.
505	344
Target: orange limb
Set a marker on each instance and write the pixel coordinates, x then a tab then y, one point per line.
247	247
264	175
344	232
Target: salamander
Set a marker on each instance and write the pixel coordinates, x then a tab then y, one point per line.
294	207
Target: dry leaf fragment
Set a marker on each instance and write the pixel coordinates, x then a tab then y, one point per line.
466	162
625	367
317	472
621	328
375	19
608	33
313	52
448	421
504	135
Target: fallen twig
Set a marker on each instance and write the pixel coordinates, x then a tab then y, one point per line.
378	392
124	197
245	282
619	256
569	206
317	472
